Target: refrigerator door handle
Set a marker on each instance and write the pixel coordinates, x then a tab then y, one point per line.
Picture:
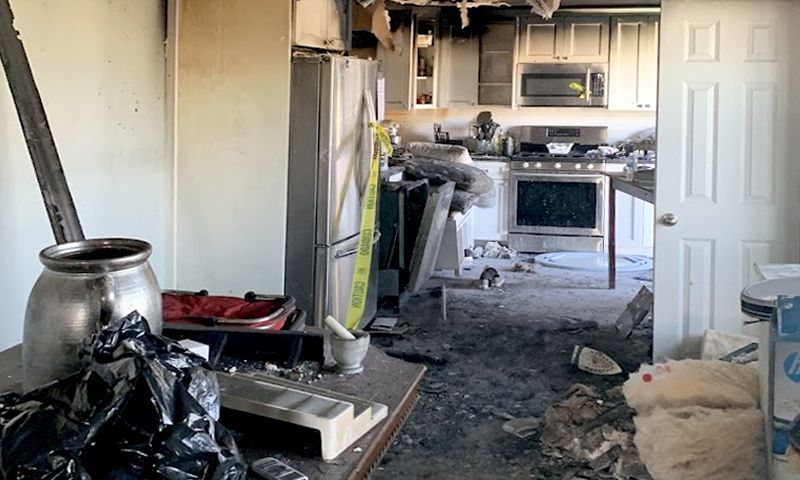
353	251
339	242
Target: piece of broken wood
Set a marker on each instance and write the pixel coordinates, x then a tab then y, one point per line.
41	146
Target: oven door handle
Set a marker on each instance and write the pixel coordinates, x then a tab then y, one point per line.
544	175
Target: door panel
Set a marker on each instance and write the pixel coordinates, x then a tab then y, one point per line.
648	64
458	84
625	48
627	38
398	69
540	42
634	225
347	150
502	211
723	168
311	23
585	40
341	268
335	38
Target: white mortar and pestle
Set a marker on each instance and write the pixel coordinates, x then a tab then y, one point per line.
348	348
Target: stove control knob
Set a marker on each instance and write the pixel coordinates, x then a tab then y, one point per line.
538	165
525	164
577	166
557	165
590	166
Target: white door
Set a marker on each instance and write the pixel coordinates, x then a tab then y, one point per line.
648	65
502	210
585	40
540	41
398	68
335	28
311	23
722	162
633	63
458	75
492	223
496	74
634	225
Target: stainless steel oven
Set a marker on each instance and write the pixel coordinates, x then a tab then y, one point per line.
557	198
557	203
550	212
562	85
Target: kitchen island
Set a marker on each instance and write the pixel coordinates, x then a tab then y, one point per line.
642	186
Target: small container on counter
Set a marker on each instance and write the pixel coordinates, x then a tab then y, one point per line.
508	147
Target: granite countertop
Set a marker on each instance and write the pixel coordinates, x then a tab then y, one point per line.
641	184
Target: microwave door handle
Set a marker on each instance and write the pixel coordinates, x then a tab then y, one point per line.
588	88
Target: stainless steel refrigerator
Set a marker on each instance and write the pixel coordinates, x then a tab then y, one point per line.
329	156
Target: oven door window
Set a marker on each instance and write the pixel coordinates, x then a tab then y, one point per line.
553	84
557	204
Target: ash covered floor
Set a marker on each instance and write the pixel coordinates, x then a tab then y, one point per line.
502	352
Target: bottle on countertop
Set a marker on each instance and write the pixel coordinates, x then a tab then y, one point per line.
508	146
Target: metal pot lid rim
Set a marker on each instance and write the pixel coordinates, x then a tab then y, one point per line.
765	293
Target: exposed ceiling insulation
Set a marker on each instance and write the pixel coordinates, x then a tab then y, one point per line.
543	8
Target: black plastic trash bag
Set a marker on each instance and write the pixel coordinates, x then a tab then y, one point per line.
142	407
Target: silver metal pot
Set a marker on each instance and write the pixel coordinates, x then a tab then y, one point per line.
83	286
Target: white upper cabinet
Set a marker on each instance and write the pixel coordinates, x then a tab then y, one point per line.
540	41
579	39
634	63
585	40
337	37
319	24
458	84
398	68
496	74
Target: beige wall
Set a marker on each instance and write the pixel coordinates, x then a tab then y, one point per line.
417	125
232	109
99	65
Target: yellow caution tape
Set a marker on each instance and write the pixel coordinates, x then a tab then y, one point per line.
358	293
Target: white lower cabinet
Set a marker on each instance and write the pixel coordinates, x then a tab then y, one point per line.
457	237
492	223
634	225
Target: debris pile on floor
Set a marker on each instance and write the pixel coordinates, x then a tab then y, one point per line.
594	361
637	310
698	420
495	250
728	347
590	436
524	267
496	366
490	277
308	372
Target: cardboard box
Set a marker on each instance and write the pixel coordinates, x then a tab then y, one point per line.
784	392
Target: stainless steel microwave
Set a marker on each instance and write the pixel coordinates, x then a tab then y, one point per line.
562	85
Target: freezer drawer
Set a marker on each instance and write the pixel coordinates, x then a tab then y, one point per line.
334	281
